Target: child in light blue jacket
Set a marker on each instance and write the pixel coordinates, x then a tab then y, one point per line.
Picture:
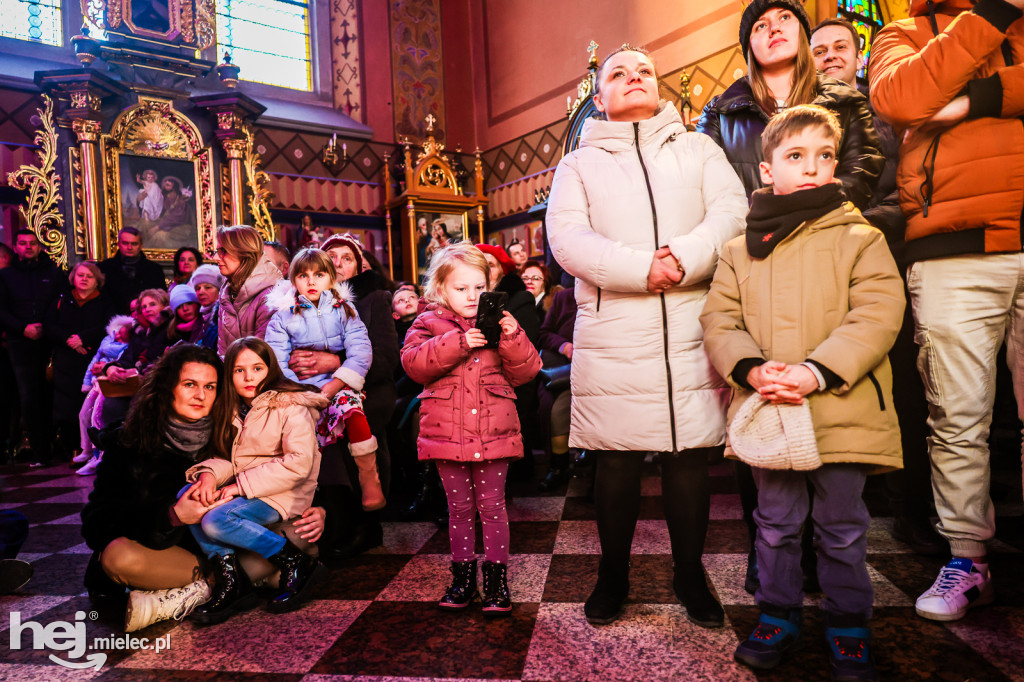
119	330
314	312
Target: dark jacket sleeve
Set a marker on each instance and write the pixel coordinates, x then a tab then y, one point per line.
54	324
549	337
523	307
153	276
381	328
9	322
709	122
860	159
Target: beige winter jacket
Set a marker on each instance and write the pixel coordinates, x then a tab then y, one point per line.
640	378
829	292
275	456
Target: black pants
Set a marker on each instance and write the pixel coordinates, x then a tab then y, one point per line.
685	496
29	360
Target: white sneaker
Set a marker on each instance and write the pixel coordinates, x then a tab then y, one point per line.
961	585
146	608
90	467
82	457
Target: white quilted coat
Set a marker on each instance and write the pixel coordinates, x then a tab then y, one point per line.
640	378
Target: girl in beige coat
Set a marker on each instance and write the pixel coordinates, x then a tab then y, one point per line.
269	426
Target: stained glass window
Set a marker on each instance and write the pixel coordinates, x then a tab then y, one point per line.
268	40
38	21
866	17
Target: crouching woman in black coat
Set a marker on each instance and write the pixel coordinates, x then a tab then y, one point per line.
134	522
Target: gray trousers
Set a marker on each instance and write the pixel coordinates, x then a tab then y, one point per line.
840	523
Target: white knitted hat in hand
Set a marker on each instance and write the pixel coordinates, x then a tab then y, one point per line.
770	436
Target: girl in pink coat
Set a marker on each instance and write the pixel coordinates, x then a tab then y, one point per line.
468	421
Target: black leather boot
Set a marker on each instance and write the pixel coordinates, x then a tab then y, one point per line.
428	496
691	587
298	573
558	473
368	534
232	592
462	591
102	589
497	600
604	603
751	580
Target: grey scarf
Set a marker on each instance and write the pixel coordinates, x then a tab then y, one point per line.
189	438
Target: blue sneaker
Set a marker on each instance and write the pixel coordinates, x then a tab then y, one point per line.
850	655
770	640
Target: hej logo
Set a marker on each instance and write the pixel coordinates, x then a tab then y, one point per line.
58	636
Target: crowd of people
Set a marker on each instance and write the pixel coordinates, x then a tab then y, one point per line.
805	285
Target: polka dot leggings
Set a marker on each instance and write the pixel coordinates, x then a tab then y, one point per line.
472	488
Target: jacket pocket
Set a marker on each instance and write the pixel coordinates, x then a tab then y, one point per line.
437	413
499	412
878	390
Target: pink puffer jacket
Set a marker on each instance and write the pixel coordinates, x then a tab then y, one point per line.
467	408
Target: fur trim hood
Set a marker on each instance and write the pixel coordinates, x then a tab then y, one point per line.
283	295
274	399
118	321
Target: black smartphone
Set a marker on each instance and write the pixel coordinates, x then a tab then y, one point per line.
488	315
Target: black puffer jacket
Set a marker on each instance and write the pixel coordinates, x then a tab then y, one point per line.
735	121
373	303
27	288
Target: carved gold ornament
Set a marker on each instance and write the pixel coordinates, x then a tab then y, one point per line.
42	183
260	194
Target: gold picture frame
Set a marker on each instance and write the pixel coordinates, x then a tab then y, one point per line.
444	226
154	149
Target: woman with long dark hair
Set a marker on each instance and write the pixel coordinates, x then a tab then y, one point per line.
186	260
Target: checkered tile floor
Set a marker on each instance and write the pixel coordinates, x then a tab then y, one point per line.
376	620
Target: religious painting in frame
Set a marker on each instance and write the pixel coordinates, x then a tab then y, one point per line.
435	230
159	179
535	249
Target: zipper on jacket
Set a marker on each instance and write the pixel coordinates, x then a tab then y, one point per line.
878	390
323	328
664	307
598	299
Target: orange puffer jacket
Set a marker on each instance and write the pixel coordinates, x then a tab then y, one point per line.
961	187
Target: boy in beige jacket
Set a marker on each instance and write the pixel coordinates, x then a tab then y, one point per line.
805	306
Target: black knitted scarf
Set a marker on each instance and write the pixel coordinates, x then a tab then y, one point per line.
774	217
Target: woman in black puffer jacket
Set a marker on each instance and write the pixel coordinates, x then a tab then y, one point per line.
775	36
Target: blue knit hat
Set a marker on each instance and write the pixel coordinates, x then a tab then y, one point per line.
182	294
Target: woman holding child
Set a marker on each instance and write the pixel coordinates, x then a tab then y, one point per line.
638	214
134	522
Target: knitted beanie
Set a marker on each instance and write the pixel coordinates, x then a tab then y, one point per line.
182	294
507	265
349	240
206	274
754	11
774	436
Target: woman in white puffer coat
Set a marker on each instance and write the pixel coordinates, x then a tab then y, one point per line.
638	214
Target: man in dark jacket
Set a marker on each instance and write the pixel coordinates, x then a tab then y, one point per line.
27	288
835	46
129	271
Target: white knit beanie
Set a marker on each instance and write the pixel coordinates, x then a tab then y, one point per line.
774	436
207	274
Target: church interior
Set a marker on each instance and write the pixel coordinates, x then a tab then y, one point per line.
378	119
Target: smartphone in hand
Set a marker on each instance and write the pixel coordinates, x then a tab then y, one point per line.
488	315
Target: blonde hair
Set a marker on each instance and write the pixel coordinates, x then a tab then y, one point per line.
318	261
101	279
245	244
804	81
794	120
443	261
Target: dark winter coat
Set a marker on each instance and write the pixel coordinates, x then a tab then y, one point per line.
373	303
27	288
146	346
884	210
467	408
132	497
521	304
735	121
64	319
121	288
557	329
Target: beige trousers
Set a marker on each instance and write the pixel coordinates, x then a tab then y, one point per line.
964	307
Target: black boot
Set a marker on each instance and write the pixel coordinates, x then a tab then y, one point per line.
298	573
497	601
462	591
752	580
232	592
103	591
424	504
604	603
558	473
691	587
368	534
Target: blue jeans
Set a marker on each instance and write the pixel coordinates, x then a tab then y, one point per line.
238	524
